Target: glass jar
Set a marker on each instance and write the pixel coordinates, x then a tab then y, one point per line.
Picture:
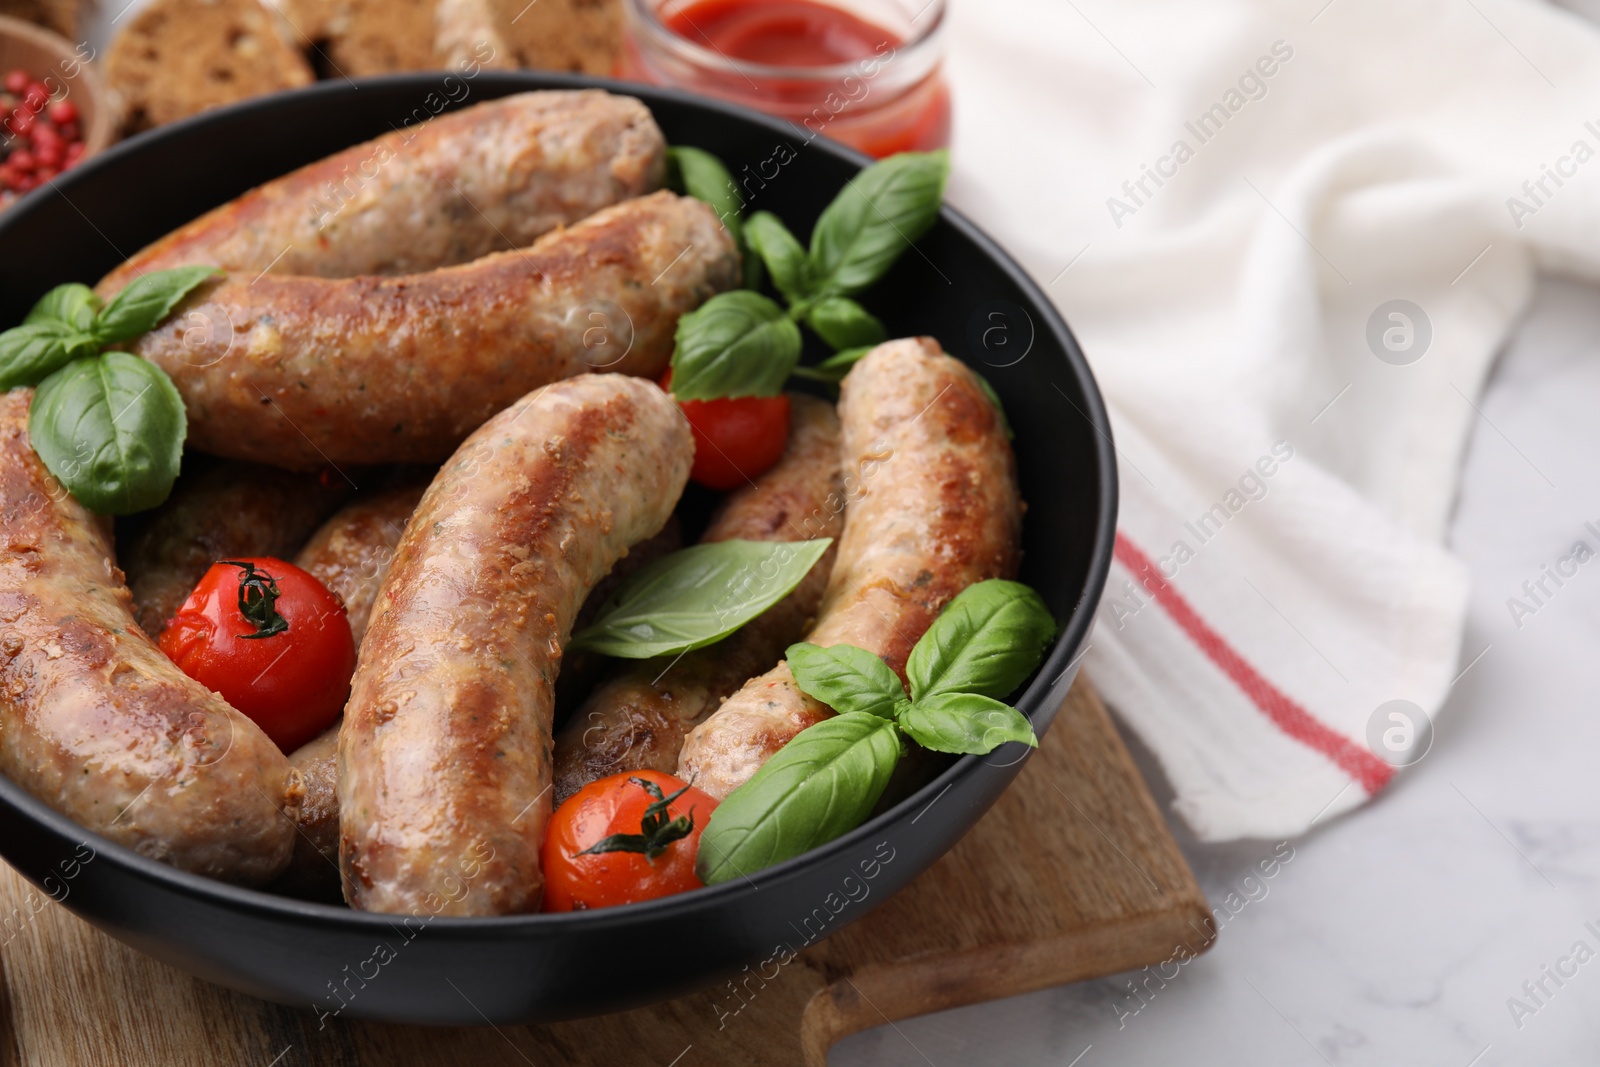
865	72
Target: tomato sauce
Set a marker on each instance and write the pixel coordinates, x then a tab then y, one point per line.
868	108
780	33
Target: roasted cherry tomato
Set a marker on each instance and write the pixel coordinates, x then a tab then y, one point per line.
630	837
735	438
270	640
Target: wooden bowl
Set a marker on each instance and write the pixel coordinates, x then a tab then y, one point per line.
55	61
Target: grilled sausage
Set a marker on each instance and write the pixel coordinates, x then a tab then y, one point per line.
219	510
94	720
934	507
638	720
485	179
350	553
444	758
313	870
351	556
372	369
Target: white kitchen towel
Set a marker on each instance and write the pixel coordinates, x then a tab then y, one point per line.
1290	237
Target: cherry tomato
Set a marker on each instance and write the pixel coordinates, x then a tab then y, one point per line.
17	81
270	640
630	837
735	438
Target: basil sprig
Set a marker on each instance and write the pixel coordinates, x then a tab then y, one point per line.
875	219
736	344
847	678
108	425
71	305
31	352
986	641
146	301
828	778
772	242
843	323
965	723
111	429
697	596
820	785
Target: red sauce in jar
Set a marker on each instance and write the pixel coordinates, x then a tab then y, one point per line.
779	33
865	110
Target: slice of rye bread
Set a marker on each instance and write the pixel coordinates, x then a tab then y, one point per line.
178	57
355	38
466	37
62	16
581	36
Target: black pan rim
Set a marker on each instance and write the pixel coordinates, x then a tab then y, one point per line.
1060	660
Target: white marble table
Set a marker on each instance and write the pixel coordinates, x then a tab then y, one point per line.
1398	934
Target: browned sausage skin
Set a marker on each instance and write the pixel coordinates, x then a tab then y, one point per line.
221	509
488	178
350	554
444	757
638	720
934	508
581	670
370	369
94	720
313	870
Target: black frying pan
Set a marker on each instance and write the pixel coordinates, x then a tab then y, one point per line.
958	287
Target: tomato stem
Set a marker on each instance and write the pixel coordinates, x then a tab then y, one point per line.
655	831
258	597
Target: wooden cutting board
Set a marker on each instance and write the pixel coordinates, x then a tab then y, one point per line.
1072	875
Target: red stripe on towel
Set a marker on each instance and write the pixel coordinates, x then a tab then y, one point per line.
1371	772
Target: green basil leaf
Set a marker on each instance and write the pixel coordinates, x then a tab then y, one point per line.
735	344
994	398
74	304
31	352
965	723
820	785
846	678
835	367
697	596
701	175
986	641
146	300
845	324
753	272
784	256
110	428
875	219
